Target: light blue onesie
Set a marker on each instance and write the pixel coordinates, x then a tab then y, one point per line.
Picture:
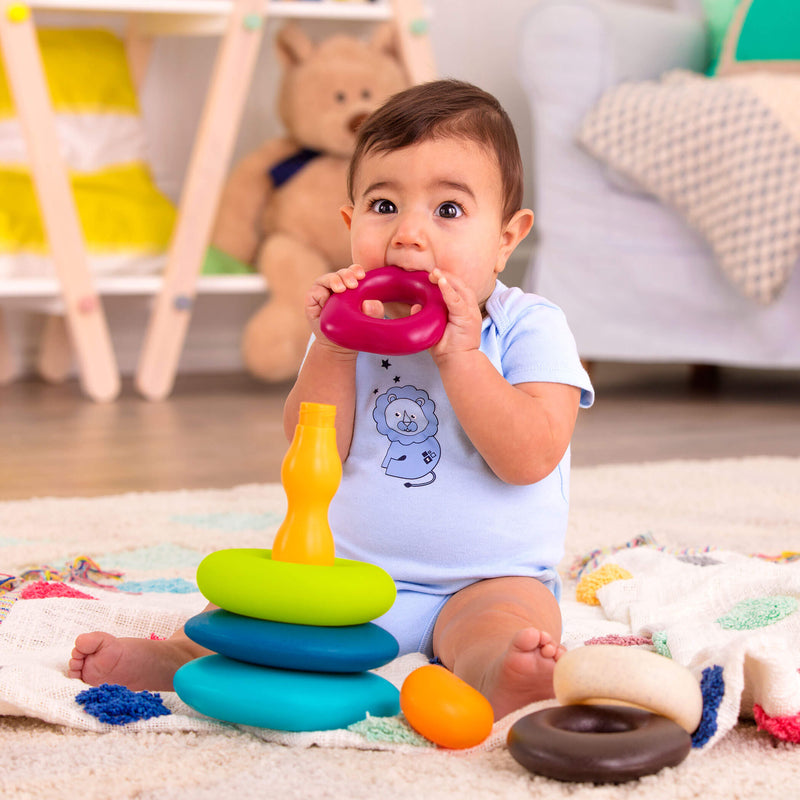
416	497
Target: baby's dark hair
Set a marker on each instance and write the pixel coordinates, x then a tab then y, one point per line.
443	109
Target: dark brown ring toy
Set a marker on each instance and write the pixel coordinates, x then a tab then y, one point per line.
597	744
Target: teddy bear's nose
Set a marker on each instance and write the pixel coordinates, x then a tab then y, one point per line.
356	122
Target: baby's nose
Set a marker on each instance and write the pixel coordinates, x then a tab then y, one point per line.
410	231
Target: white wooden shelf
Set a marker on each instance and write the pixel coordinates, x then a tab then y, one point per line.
73	296
43	295
195	17
327	9
22	289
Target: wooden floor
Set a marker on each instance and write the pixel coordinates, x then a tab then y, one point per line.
226	430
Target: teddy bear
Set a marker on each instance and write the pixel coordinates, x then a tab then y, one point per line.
279	208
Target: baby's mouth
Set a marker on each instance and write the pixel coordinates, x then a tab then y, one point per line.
410	268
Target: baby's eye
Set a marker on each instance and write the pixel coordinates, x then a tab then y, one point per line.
383	207
449	210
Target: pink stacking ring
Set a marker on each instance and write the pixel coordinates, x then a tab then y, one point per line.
344	322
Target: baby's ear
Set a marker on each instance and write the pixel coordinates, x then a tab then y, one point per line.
514	231
347	215
517	228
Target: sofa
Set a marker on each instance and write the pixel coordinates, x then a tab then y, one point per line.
637	282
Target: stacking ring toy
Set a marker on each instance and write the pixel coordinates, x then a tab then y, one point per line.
311	648
600	744
609	674
282	699
247	581
343	321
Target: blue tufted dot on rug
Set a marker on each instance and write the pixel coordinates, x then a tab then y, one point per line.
118	705
712	687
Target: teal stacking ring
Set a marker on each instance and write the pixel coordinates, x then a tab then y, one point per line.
282	699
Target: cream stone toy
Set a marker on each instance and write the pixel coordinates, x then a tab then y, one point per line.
279	210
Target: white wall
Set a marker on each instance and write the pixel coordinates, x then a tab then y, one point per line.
469	42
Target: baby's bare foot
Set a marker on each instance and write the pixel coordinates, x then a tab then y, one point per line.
524	673
99	657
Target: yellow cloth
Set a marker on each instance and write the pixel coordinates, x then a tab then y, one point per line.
86	71
119	208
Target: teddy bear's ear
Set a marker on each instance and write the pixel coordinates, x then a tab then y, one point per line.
292	45
384	40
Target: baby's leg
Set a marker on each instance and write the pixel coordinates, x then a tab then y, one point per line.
99	657
502	636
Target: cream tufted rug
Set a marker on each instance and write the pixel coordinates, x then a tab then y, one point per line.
750	505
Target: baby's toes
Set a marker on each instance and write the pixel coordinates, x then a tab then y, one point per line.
547	647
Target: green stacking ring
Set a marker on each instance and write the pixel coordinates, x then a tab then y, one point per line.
247	581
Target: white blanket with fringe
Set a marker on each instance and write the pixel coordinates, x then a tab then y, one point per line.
732	619
725	153
156	541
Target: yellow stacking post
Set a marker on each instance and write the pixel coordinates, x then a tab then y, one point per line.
310	473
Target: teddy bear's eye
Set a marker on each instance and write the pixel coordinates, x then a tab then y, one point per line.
340	97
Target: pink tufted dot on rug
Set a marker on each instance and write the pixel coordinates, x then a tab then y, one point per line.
784	728
42	589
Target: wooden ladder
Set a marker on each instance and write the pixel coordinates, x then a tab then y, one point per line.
82	307
84	321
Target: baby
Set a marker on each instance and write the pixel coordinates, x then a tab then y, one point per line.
456	459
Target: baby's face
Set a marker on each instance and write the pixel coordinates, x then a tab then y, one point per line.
438	203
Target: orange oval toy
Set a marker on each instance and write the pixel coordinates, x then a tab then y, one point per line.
445	709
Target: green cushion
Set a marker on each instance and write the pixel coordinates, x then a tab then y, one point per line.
719	14
762	35
218	263
770	32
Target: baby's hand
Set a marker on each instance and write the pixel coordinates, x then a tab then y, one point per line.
464	318
323	287
336	283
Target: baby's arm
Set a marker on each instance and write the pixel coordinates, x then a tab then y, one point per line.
522	431
328	373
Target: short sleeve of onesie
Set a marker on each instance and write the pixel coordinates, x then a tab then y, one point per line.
528	339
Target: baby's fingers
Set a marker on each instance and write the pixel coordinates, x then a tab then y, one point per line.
344	279
373	308
455	294
315	300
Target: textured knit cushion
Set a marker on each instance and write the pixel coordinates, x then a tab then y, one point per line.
763	35
127	222
724	153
